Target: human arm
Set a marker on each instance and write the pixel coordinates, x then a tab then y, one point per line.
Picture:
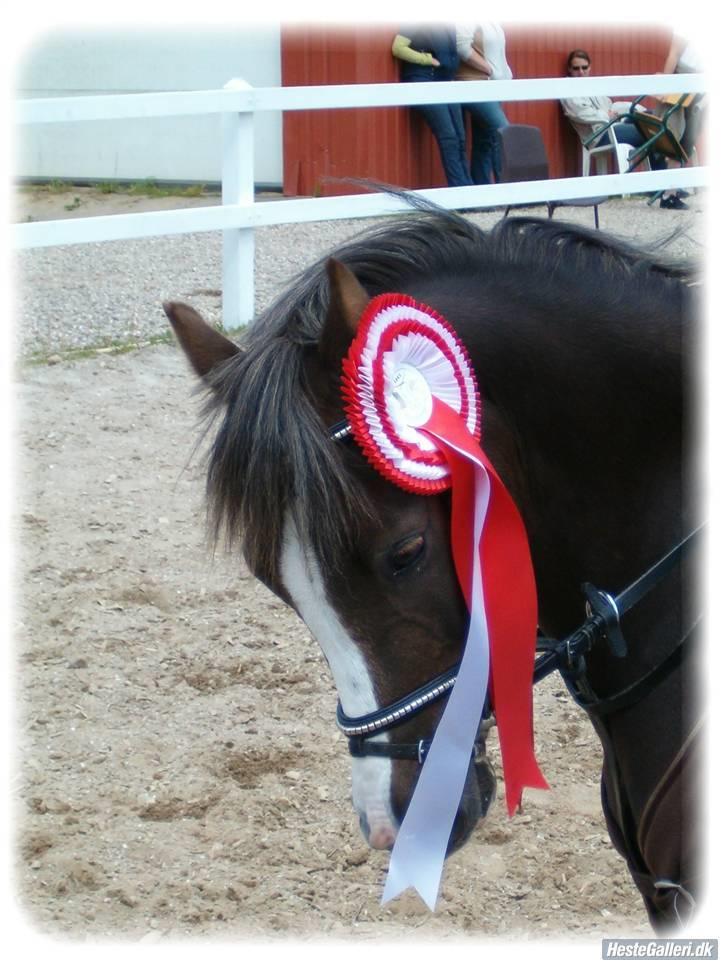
588	111
401	48
468	54
677	46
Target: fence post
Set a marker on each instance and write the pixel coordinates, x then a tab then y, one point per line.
238	188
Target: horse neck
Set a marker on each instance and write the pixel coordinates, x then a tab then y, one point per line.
587	422
594	412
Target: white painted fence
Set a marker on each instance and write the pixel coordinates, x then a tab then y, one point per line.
239	215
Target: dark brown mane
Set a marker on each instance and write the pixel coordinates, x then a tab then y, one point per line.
271	454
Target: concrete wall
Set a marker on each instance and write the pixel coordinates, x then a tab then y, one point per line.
117	61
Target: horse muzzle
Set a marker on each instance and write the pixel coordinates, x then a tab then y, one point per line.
380	826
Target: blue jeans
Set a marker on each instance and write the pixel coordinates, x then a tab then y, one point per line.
485	164
629	134
446	123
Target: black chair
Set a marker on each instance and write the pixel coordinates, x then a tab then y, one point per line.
524	159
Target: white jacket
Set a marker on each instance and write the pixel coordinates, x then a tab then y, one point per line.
587	114
494	44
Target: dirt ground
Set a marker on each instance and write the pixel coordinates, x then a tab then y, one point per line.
180	773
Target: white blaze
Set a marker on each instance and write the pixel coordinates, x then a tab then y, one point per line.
371	777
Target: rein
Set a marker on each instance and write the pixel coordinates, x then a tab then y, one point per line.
604	614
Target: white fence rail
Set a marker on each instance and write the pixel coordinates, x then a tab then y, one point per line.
239	215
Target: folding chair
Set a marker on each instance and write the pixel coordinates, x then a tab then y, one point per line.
524	159
656	131
658	135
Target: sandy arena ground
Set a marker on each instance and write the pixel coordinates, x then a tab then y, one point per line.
181	776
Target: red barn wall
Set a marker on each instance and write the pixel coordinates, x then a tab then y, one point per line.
394	145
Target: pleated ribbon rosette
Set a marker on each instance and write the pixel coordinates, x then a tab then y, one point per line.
411	398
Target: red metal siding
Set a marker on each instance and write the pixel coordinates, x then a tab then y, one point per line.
393	145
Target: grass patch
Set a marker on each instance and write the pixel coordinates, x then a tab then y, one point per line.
113	349
149	188
153	190
56	187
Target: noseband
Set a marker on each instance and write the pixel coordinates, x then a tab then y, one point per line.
603	622
359	729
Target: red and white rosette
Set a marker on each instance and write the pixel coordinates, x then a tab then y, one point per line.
412	401
402	356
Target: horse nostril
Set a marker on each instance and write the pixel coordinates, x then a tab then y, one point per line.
381	837
364	826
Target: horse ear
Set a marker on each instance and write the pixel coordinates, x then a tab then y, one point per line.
205	347
348	298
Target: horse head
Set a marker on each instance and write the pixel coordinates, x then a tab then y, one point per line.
581	347
383	600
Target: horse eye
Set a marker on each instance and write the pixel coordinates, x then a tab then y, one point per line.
406	553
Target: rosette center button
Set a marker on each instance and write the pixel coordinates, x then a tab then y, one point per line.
410	397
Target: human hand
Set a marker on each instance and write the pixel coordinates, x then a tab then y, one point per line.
435	62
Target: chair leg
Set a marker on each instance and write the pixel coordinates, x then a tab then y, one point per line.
596	216
623	157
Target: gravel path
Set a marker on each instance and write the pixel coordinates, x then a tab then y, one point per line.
104	294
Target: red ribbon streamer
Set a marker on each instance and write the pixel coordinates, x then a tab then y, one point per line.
509	590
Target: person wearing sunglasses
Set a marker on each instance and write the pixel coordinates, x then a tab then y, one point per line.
590	113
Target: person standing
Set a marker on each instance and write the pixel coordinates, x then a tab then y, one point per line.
482	52
682	58
429	53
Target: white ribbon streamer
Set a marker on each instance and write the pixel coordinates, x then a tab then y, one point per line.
419	851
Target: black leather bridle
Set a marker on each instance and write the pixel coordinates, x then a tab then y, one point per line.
604	613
